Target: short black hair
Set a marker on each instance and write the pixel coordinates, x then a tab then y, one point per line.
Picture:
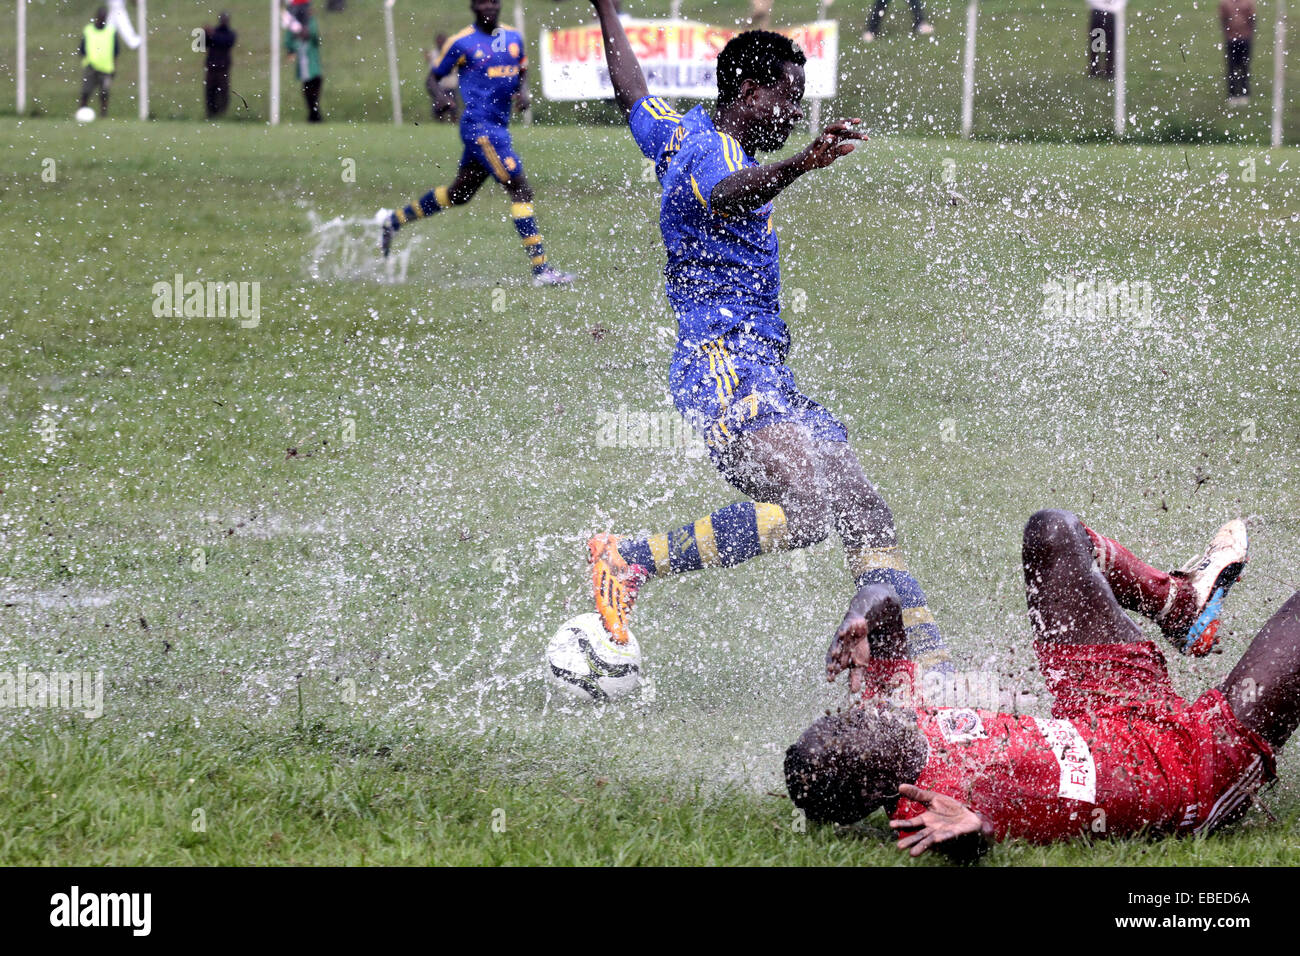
846	765
756	55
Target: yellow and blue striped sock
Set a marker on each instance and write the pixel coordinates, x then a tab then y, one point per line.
724	538
435	200
526	226
925	644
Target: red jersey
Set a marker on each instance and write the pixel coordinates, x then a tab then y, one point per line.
1121	754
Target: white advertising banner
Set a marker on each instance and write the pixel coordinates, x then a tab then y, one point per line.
679	58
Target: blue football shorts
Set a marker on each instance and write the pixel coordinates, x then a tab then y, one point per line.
491	148
738	383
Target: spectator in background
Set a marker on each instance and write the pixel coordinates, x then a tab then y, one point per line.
442	93
302	42
218	42
760	14
920	23
1101	37
99	49
1238	18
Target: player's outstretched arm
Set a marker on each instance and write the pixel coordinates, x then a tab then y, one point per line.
624	71
872	627
757	186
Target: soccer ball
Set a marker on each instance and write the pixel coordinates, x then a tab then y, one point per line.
583	660
85	114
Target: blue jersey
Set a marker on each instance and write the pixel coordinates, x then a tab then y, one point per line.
490	65
723	271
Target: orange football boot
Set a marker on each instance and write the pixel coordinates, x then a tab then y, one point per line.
614	583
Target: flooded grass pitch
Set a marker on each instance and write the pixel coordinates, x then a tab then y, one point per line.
318	560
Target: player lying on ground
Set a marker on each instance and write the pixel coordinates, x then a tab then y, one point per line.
728	376
1123	753
493	73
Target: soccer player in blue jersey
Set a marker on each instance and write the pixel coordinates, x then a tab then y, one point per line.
493	77
728	375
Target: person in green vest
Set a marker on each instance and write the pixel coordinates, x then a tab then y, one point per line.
302	42
99	49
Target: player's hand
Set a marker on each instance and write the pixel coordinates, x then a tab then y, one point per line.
944	819
850	651
838	139
873	612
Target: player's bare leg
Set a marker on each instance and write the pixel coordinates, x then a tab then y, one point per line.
521	211
862	518
1070	601
803	488
775	465
1264	688
469	178
518	188
467	182
821	486
780	464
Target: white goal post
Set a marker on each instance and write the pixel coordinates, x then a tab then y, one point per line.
1121	69
968	71
20	71
277	24
1279	74
143	51
394	80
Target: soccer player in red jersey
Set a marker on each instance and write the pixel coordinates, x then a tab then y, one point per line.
1121	755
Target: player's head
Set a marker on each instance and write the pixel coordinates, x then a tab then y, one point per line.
760	80
101	17
486	12
846	765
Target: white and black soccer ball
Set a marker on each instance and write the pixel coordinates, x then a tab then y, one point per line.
583	660
85	115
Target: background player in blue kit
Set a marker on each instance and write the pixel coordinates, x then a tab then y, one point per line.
493	79
728	376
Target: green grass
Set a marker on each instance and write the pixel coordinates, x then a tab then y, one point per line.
1030	68
322	795
354	672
